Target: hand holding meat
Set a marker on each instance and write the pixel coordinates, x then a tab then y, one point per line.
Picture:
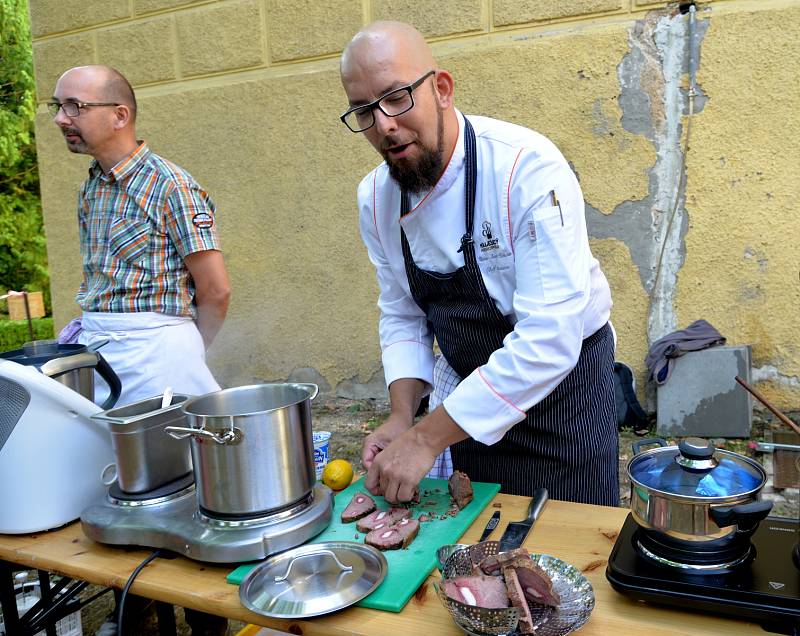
381	437
396	471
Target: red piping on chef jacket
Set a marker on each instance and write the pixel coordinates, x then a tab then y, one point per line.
498	394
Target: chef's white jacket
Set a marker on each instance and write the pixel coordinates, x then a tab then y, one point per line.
534	257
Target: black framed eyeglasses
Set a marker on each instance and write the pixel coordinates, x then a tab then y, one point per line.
392	104
73	109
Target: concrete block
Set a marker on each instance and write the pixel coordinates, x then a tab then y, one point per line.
647	3
220	37
143	51
148	6
308	28
55	16
507	12
445	17
702	398
52	57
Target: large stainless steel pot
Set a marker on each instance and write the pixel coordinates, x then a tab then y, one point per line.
72	365
146	458
252	449
696	493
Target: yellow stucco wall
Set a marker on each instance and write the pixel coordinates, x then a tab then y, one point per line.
245	95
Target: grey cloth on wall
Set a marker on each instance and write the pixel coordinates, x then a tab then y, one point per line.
661	356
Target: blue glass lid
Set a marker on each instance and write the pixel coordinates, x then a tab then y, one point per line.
695	468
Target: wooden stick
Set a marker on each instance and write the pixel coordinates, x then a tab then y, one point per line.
756	394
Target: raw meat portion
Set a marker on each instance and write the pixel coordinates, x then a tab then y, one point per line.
517	597
382	517
460	489
479	591
535	583
400	535
360	506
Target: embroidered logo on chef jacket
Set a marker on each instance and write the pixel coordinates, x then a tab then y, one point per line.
490	243
203	220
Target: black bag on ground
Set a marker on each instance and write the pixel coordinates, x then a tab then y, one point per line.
630	413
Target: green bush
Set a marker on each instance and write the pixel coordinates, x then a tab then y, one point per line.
14	333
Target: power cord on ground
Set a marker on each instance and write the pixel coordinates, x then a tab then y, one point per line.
129	582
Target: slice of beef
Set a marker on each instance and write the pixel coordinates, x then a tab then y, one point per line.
517	597
395	537
535	583
460	489
382	517
360	506
492	564
479	591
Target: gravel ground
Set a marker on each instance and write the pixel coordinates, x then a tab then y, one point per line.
349	421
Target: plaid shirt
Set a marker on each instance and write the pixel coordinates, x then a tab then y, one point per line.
137	223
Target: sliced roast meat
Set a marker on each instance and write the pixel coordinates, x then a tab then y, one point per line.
382	518
492	564
460	489
400	535
360	506
517	597
479	591
535	583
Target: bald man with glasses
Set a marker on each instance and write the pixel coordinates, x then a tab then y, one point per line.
476	229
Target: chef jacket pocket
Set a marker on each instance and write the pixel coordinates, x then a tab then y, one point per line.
560	254
128	239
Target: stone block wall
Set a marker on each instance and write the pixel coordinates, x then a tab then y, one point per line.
245	95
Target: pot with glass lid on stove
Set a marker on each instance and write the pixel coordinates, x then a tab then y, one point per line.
696	494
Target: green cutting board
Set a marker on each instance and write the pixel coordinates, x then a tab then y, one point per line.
407	568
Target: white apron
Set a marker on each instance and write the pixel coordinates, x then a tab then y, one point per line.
149	352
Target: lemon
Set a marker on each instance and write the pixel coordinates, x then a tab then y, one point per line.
337	474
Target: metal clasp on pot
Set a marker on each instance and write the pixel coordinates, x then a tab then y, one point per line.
229	437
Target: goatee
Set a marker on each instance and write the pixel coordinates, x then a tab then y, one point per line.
416	177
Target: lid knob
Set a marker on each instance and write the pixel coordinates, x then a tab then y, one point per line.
696	448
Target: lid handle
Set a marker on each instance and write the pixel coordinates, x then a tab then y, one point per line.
328	553
696	448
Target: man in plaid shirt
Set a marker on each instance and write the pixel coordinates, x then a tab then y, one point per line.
154	279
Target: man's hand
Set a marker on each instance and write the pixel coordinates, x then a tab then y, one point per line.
381	437
397	470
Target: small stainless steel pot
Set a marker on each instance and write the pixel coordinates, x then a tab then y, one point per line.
694	492
252	448
146	458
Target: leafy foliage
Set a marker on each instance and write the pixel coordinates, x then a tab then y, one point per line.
14	333
23	254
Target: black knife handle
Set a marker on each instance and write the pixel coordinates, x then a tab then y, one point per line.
490	526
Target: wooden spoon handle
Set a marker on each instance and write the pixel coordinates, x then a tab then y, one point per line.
756	394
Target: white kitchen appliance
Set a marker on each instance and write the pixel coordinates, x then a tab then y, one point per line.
52	453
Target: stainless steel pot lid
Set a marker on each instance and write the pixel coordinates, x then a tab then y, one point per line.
313	579
695	468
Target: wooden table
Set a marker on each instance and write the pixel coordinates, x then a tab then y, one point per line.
581	534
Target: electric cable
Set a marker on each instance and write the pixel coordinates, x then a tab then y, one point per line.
129	582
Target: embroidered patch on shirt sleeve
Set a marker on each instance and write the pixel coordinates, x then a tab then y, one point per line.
203	220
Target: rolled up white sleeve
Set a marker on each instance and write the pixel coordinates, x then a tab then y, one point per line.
405	339
552	263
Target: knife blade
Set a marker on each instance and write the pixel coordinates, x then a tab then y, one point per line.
516	531
490	526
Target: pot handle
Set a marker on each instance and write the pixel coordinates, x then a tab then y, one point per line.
313	389
230	436
745	516
637	445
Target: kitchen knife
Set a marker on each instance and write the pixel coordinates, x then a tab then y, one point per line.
516	531
490	526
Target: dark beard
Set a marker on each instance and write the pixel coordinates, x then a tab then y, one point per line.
424	173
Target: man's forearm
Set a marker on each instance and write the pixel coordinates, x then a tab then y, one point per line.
405	395
210	316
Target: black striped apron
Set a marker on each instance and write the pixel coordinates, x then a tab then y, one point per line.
568	442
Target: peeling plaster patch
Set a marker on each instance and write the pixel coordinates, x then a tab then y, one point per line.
309	375
653	102
771	374
603	125
354	389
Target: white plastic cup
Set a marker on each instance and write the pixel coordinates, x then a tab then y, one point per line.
321	445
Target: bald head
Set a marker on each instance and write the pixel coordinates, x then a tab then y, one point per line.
106	83
383	43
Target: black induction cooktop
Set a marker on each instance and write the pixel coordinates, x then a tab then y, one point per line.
764	589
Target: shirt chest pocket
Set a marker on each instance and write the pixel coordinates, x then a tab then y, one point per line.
128	239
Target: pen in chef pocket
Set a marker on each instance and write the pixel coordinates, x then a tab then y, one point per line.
556	202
